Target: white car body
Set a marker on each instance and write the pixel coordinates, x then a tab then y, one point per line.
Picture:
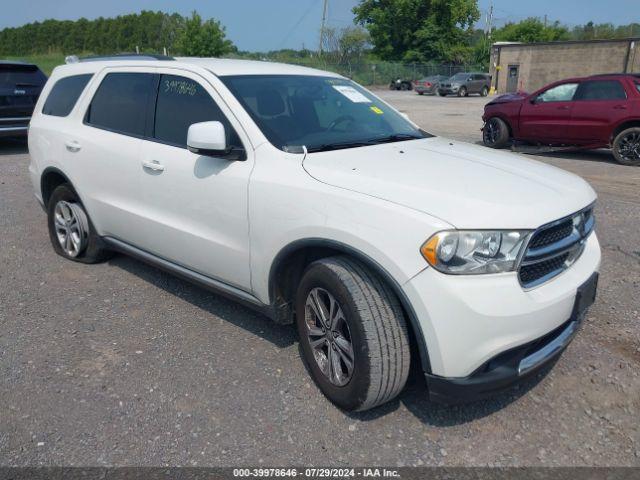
229	222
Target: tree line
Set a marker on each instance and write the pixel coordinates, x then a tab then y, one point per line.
407	31
147	30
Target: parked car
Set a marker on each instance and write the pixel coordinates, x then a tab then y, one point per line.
428	85
400	84
303	195
462	84
601	111
20	87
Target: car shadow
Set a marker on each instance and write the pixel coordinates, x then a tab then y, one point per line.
13	146
602	155
254	322
415	398
415	395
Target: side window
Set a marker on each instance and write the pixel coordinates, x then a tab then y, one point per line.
64	95
559	93
182	102
120	103
601	90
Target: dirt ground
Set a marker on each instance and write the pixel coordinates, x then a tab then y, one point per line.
121	364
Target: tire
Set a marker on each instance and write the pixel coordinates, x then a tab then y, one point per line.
463	92
442	94
495	133
626	147
484	92
375	328
420	93
66	213
404	87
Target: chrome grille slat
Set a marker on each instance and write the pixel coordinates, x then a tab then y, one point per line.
555	247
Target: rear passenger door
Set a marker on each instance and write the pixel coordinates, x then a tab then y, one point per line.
195	207
103	151
598	106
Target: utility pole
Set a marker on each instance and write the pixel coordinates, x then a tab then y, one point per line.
324	20
490	25
545	20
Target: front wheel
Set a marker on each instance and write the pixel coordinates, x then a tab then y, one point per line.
442	94
463	92
484	92
495	133
353	335
626	147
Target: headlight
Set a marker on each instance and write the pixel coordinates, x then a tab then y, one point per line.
465	252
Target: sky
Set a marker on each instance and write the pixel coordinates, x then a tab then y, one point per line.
262	25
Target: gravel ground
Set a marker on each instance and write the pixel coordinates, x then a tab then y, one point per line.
121	364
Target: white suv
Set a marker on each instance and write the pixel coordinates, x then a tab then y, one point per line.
302	194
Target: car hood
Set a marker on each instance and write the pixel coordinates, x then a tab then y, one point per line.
467	186
509	98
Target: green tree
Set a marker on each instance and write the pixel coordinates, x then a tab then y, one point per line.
419	30
203	39
531	30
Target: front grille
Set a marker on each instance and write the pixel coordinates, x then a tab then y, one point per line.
555	247
536	271
552	235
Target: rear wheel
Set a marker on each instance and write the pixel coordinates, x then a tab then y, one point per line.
353	335
626	147
495	133
70	229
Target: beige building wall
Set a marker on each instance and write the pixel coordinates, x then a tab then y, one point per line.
540	64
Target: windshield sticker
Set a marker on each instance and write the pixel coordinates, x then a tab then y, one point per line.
351	93
375	109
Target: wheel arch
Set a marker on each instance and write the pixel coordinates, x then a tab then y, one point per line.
50	179
627	123
289	264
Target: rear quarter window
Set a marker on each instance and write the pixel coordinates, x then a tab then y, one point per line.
64	95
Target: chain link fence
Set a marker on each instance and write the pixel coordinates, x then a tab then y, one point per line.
382	73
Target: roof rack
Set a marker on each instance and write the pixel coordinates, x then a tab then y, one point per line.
117	56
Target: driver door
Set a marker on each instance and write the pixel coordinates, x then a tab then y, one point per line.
196	206
546	117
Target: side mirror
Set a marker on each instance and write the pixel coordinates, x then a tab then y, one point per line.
207	138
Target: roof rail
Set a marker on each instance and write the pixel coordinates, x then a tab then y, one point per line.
117	56
618	74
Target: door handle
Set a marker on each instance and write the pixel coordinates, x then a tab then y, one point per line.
564	107
72	146
153	165
620	107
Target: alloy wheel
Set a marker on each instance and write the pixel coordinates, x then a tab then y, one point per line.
491	131
70	224
629	147
329	336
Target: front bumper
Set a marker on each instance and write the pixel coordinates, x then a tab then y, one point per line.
517	364
14	126
449	90
468	320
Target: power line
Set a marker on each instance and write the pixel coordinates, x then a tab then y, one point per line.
297	24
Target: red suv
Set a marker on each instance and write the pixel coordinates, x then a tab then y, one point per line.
602	111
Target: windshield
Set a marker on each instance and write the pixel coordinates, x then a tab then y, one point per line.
320	113
459	77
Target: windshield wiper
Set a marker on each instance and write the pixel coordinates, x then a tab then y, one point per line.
396	137
338	146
